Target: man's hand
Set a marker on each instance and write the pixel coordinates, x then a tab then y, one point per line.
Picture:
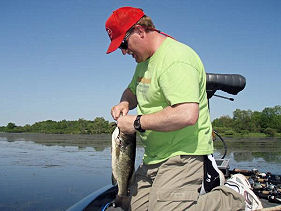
126	124
119	110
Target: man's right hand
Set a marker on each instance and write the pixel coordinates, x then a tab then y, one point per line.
120	109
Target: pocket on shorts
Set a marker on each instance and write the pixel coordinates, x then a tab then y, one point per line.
183	195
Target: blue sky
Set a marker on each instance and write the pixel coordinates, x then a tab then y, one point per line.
53	63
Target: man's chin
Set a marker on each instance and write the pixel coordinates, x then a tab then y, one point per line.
138	60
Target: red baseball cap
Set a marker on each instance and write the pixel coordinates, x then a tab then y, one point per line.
120	21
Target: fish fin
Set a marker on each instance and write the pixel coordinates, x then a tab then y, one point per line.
122	201
113	180
132	178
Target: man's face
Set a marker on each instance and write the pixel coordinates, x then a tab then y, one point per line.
133	45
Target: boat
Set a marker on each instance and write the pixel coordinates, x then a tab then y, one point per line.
104	197
269	190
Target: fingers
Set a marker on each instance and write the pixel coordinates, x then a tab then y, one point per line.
118	110
126	124
124	111
115	113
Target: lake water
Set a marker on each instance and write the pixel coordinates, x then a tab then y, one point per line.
52	172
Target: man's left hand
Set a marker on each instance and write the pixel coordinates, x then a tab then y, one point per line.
126	124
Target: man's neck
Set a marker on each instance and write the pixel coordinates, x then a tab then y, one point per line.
155	41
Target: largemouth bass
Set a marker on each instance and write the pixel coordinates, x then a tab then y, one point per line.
123	163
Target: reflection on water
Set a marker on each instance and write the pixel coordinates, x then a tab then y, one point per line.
262	154
52	172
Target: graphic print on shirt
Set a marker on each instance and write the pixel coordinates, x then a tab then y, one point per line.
143	85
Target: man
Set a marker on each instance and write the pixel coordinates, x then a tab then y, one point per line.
169	91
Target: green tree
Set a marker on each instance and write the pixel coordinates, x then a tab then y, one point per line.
100	125
223	121
255	123
11	126
242	119
271	118
270	132
27	128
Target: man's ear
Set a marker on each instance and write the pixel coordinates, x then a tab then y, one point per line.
140	30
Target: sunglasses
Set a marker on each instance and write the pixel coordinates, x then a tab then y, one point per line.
124	43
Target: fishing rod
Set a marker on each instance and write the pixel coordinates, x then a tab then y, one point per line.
265	185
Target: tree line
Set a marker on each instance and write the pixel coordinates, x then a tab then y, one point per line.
243	123
97	126
247	122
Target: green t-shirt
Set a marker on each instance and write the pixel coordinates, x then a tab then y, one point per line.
174	74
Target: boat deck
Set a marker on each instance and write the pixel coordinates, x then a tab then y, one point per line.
110	194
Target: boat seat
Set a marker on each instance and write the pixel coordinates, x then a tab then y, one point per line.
229	83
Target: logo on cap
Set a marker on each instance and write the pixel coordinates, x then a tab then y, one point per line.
109	32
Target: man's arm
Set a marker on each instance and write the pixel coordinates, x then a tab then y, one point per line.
128	102
169	119
128	96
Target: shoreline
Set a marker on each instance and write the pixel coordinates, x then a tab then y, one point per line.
61	139
102	135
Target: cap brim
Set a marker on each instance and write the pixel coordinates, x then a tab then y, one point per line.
115	44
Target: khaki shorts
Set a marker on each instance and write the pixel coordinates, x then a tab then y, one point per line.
174	185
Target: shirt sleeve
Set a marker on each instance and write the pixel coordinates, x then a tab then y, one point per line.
133	84
180	84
